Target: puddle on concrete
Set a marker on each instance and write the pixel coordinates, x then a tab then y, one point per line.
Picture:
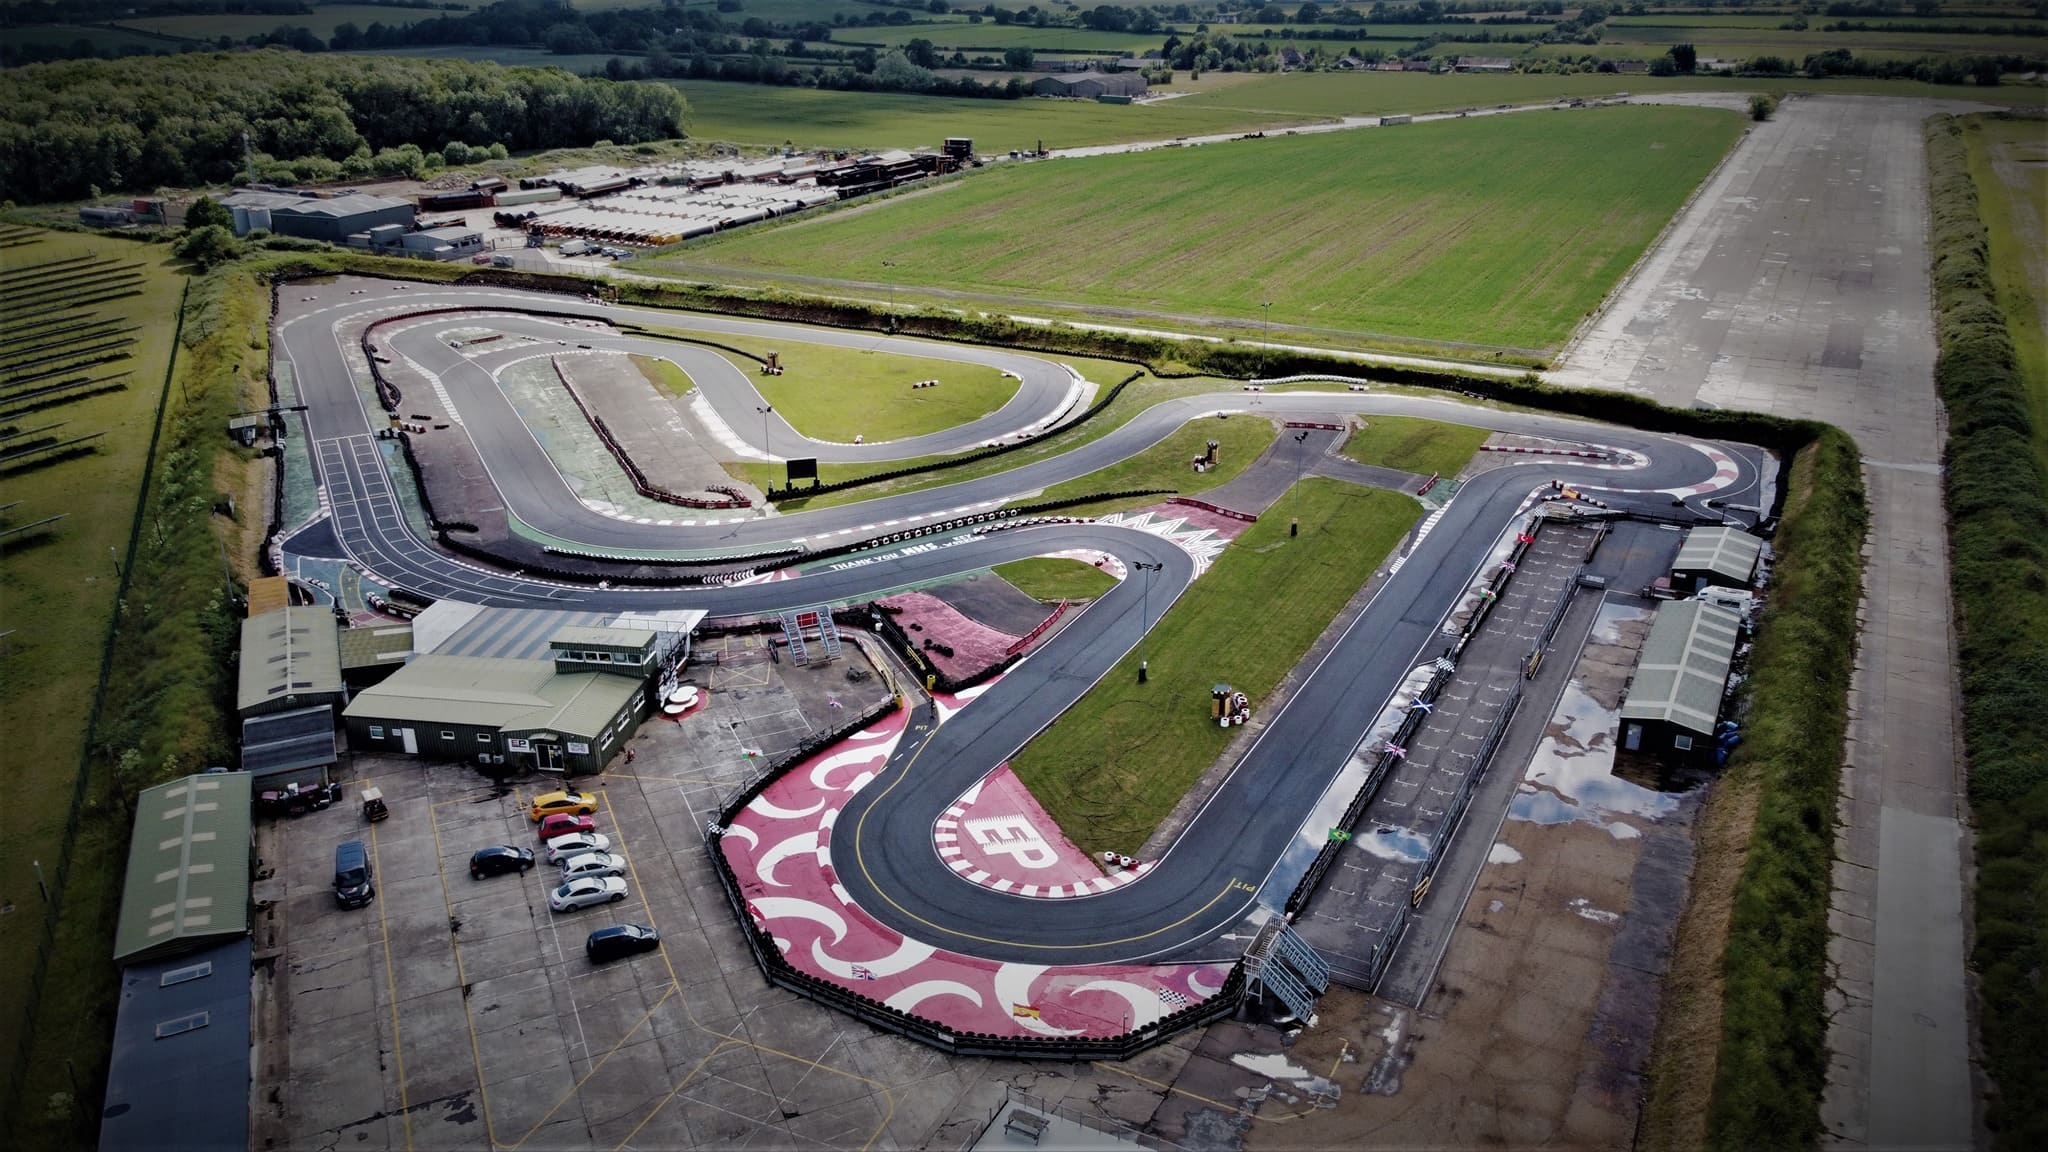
1279	1068
1584	907
1393	843
1503	854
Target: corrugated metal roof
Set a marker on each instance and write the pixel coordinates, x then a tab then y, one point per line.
288	741
268	594
353	204
484	692
290	652
371	647
1683	669
1727	552
188	867
179	1076
511	633
580	636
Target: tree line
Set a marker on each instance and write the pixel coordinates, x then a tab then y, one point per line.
77	129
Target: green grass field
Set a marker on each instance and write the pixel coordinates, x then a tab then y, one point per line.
991	37
1423	447
322	21
58	597
103	36
508	55
1051	578
1110	768
837	393
1165	465
2009	162
1497	232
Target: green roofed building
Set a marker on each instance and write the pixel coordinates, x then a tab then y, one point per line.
188	868
1675	698
291	659
1716	555
548	715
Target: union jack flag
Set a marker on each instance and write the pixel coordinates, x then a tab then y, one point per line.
862	972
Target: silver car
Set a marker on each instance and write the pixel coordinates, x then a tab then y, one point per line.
585	891
593	864
563	848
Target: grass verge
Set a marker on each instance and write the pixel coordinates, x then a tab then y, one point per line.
1052	578
1112	767
1166	465
1998	523
1772	1063
1423	447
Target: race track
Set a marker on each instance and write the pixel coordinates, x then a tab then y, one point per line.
880	845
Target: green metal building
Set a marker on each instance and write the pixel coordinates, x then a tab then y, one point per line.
291	659
188	868
570	714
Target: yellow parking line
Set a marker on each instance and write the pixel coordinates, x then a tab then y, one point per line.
692	1075
391	989
578	1086
462	981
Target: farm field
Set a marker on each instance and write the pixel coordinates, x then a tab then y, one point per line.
104	37
322	21
56	598
2009	164
505	54
990	35
1110	768
808	117
1412	233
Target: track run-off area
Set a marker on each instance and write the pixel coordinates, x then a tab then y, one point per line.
1234	863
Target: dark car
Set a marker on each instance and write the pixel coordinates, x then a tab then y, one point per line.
352	882
499	859
619	941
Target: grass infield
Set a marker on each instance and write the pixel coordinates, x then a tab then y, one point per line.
1112	767
1419	446
1166	465
1051	578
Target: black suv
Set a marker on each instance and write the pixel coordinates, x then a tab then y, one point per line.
620	940
499	859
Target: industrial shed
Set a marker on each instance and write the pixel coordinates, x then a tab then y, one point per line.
368	655
1716	555
295	747
188	868
499	711
291	658
1089	85
179	1074
334	219
1675	698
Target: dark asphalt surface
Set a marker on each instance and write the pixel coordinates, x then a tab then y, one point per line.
881	845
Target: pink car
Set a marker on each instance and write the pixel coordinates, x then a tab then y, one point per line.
565	823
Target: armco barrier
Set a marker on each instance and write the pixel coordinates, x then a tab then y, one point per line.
1025	641
1218	509
780	973
625	460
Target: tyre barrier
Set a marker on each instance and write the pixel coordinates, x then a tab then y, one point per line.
1323	424
1204	505
1514	451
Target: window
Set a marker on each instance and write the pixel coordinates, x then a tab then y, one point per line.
376	731
447	735
188	972
181	1024
1682	743
483	737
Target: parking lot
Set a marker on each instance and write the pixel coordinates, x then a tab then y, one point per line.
459	1013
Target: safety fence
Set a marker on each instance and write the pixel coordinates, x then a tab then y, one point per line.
933	677
641	484
780	973
1025	641
1218	509
794	493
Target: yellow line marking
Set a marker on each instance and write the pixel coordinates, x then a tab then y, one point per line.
391	989
656	1110
860	854
462	981
594	1068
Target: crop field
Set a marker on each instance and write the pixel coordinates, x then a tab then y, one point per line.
2009	164
102	36
1114	765
498	54
57	586
1494	232
990	35
807	117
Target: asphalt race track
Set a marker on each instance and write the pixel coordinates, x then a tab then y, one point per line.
881	843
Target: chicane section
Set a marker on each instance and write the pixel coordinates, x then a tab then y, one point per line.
1211	878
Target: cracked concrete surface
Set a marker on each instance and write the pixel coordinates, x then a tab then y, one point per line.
1797	283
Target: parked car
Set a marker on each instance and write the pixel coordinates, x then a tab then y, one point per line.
565	824
619	941
594	864
584	891
499	859
562	848
353	885
548	803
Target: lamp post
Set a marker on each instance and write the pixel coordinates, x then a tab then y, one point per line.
1145	612
764	410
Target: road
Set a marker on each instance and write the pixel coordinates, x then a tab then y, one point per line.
881	844
1798	284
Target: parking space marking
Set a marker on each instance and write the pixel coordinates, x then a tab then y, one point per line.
391	989
476	1055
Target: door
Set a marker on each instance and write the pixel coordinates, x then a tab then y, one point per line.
412	743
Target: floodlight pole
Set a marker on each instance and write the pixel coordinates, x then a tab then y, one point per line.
764	410
1144	612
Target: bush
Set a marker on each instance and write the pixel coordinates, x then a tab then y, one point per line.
1761	105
